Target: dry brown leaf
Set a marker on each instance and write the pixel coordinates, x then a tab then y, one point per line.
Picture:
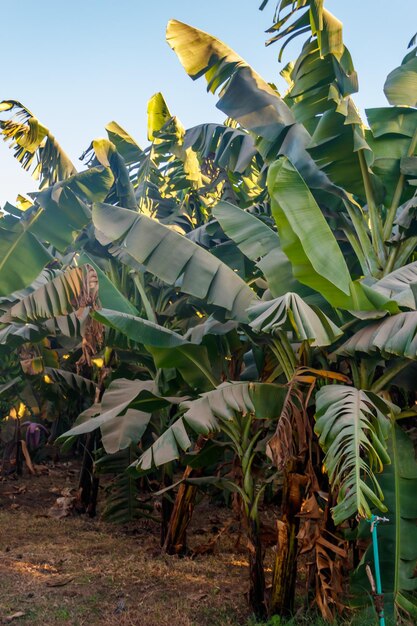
14	616
27	457
63	507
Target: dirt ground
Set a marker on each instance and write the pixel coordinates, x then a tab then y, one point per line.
75	570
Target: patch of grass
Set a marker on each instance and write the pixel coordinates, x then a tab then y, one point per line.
312	619
62	613
213	616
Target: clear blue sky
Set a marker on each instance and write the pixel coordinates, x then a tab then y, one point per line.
78	64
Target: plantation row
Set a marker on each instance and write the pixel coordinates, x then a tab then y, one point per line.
232	310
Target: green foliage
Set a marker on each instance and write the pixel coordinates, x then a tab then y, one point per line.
294	222
397	538
171	257
352	427
122	498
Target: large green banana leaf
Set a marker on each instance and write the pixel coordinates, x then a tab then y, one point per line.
320	86
352	427
313	251
305	236
401	84
65	207
204	413
259	243
397	538
22	257
171	257
169	349
290	312
59	214
120	424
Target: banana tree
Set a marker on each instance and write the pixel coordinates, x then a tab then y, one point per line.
341	194
327	279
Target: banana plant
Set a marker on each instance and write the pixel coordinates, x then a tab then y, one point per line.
239	410
342	197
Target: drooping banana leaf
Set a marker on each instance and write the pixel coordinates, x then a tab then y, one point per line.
169	349
352	426
228	147
401	85
397	538
171	257
45	276
400	285
68	379
290	312
14	335
120	426
34	145
393	336
203	415
64	294
246	98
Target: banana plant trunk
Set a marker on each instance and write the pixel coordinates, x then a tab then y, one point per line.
256	571
88	484
285	564
182	512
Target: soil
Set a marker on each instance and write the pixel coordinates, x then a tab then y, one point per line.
75	570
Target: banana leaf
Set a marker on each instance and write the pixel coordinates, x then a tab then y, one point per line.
352	426
259	243
169	349
392	336
247	98
171	257
290	312
204	414
397	538
401	84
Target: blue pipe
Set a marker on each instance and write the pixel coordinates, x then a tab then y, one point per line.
374	520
